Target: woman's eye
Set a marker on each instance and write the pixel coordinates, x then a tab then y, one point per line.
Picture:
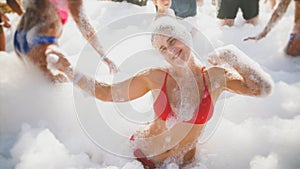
163	50
172	42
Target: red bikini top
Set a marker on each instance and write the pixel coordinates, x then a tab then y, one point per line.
202	114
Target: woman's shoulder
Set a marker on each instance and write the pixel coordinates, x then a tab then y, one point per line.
215	70
155	75
155	71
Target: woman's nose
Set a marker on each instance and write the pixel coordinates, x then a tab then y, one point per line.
171	49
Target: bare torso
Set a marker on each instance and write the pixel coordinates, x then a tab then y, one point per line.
178	142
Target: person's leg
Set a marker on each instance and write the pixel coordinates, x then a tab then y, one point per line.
296	28
228	22
189	156
227	10
2	39
253	21
293	46
2	36
250	11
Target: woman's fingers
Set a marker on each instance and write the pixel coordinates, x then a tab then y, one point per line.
250	38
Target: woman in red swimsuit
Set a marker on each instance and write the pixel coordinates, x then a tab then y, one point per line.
185	93
40	27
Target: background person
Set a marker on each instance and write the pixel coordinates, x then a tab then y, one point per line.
36	37
228	9
293	46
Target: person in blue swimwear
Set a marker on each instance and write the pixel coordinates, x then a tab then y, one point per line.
293	46
40	28
184	92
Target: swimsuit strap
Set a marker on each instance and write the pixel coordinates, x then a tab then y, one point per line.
164	88
203	77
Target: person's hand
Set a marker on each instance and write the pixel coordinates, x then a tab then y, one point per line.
5	20
57	59
258	37
112	66
64	64
224	55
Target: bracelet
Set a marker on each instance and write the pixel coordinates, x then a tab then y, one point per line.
103	57
77	78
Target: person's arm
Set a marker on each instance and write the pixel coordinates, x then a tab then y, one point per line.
15	6
127	90
276	16
130	89
88	31
253	80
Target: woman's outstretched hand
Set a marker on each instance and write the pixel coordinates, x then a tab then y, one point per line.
112	66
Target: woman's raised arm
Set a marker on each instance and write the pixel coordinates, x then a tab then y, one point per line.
252	80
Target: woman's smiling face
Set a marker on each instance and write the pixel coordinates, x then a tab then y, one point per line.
174	51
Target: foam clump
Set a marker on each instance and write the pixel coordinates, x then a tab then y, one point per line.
169	26
254	76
